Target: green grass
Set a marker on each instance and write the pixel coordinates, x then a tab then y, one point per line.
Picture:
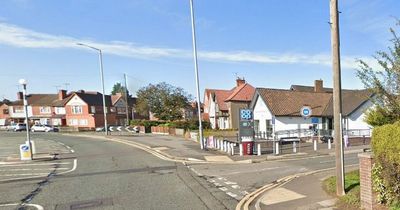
352	188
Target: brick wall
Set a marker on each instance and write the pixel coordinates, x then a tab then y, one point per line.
366	193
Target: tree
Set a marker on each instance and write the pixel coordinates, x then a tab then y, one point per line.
163	100
385	83
118	88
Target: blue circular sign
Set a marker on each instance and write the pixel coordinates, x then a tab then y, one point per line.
25	148
306	111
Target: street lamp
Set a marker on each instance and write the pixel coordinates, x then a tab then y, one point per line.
102	84
23	82
196	71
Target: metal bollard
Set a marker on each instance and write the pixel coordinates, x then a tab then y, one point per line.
294	147
217	143
232	149
315	144
240	149
276	147
329	144
228	148
222	145
259	149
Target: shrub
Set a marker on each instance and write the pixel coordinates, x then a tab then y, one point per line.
386	172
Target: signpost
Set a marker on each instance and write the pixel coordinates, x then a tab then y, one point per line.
246	129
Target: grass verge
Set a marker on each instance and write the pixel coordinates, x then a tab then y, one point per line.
352	188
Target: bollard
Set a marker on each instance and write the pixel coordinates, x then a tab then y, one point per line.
315	144
276	147
228	148
329	144
217	142
225	142
259	149
294	147
222	145
232	149
240	149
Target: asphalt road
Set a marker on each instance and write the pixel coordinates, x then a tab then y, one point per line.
109	175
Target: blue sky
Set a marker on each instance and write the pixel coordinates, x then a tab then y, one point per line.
272	43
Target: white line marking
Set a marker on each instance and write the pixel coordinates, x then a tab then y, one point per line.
230	183
232	194
38	207
33	169
73	168
235	186
223	188
37	174
72	150
33	164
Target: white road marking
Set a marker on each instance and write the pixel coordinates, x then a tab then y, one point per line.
252	171
73	168
72	150
232	194
230	183
33	164
235	186
331	161
33	169
38	207
37	174
223	188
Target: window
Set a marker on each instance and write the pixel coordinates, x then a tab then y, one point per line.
45	109
256	126
73	122
5	111
19	109
60	110
83	122
92	109
76	109
268	125
121	110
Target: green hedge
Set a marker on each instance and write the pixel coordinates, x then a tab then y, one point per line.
184	124
386	173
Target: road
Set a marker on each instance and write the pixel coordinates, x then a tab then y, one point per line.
113	176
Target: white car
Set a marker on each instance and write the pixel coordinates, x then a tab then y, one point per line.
41	128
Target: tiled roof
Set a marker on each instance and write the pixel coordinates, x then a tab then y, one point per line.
304	88
38	99
288	102
244	92
221	96
94	98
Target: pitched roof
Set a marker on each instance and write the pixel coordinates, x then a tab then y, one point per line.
351	100
221	96
93	98
289	102
38	99
305	88
244	92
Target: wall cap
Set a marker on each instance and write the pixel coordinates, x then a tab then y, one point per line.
369	155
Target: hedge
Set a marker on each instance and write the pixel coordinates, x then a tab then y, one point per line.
184	124
386	173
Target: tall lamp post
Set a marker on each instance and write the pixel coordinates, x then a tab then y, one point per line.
23	82
102	84
196	70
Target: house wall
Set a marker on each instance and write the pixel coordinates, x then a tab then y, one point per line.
4	116
356	119
234	107
223	123
262	114
212	113
14	114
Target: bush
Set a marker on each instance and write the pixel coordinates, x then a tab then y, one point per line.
386	172
184	124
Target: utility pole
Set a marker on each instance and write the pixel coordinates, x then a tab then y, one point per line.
337	97
126	100
196	71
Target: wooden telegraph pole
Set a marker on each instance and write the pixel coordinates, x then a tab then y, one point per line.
337	97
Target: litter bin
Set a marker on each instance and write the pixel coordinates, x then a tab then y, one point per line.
247	147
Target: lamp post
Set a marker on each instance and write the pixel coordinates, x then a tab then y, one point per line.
23	82
102	84
196	71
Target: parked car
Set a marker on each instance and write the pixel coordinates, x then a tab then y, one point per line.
41	128
11	127
326	138
19	127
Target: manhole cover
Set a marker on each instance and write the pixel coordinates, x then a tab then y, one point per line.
85	204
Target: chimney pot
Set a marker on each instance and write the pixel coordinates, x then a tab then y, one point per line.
240	81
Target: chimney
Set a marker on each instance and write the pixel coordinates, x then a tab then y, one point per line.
319	86
62	94
240	81
20	96
81	91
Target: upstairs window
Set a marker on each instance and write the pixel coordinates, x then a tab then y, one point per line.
76	109
45	110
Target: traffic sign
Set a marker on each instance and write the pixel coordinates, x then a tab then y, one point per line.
306	111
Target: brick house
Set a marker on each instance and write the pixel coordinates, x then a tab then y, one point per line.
119	102
4	112
221	107
85	110
45	109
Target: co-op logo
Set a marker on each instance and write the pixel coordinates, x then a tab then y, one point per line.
306	111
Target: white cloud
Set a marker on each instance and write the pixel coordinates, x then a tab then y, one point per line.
20	37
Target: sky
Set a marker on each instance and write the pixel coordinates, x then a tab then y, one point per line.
271	43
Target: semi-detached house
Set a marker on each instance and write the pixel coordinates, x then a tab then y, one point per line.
221	107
